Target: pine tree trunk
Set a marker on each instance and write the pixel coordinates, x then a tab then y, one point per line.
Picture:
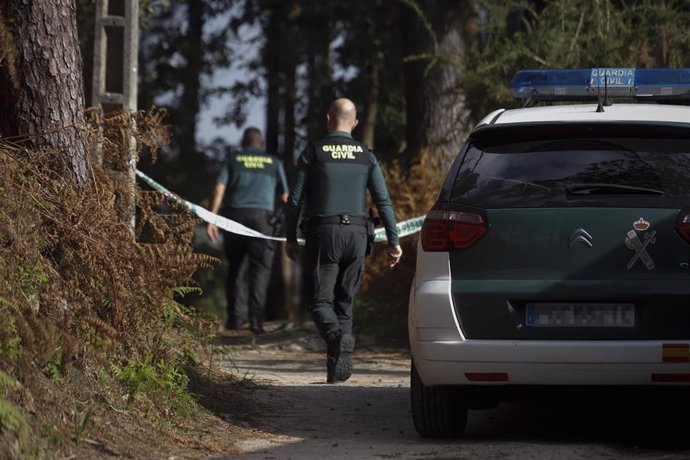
319	33
272	62
289	123
436	115
371	115
190	103
46	107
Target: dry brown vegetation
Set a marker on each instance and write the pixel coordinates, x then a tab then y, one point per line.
414	191
93	345
8	51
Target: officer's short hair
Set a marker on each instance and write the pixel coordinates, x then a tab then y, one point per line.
252	137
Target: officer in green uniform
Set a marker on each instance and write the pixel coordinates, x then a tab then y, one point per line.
333	176
246	187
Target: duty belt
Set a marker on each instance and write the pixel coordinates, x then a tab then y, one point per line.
341	219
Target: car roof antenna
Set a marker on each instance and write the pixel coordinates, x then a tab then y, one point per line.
607	101
600	106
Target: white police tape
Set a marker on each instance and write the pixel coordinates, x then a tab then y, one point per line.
405	228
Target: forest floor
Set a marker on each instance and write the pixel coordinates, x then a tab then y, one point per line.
266	398
300	416
239	407
291	413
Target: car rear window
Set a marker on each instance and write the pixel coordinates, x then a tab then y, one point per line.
555	171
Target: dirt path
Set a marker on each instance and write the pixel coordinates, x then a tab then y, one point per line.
301	417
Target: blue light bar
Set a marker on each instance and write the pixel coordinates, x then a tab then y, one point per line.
577	84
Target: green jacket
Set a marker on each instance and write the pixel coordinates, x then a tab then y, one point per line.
333	176
252	178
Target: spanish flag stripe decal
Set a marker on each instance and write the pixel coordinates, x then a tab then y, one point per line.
675	352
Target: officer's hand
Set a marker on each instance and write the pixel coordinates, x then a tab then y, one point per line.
394	255
212	232
291	250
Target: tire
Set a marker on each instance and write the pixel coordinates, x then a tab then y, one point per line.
438	412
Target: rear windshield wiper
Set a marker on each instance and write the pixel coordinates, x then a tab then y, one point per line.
609	189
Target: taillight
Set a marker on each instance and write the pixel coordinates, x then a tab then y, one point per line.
683	224
450	228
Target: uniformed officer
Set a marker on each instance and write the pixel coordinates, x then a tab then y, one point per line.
246	187
333	176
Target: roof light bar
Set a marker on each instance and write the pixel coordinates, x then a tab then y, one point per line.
578	84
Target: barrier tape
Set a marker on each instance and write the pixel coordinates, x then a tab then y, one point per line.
405	228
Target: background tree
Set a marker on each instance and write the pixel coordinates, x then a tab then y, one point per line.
560	34
184	43
41	89
420	71
434	53
369	57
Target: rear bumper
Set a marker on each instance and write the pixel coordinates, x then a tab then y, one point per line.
544	363
444	356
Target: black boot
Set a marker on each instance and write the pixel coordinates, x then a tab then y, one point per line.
343	363
330	369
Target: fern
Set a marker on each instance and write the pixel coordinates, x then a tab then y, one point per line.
10	417
184	290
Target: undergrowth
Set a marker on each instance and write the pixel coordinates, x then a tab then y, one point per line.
385	292
85	300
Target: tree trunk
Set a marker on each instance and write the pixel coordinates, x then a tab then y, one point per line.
279	56
436	115
369	129
319	33
289	118
46	107
189	169
271	60
193	54
661	42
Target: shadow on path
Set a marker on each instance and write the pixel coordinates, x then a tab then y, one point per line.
297	416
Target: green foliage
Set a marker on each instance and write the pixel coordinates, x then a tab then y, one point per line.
136	377
175	312
172	311
10	342
94	339
184	290
105	300
7	381
11	418
49	431
149	377
31	277
431	55
80	424
53	367
104	377
523	34
8	303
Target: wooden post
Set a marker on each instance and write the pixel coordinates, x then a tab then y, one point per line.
115	59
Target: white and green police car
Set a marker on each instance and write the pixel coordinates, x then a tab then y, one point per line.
558	252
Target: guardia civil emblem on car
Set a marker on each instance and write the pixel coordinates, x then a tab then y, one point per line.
640	247
641	224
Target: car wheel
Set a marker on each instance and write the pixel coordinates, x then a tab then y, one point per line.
438	412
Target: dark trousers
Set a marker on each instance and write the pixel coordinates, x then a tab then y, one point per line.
334	264
260	252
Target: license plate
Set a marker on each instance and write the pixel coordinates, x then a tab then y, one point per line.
563	314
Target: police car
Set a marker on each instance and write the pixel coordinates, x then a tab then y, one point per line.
558	252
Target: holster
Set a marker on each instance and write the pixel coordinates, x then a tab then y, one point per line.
304	226
372	222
